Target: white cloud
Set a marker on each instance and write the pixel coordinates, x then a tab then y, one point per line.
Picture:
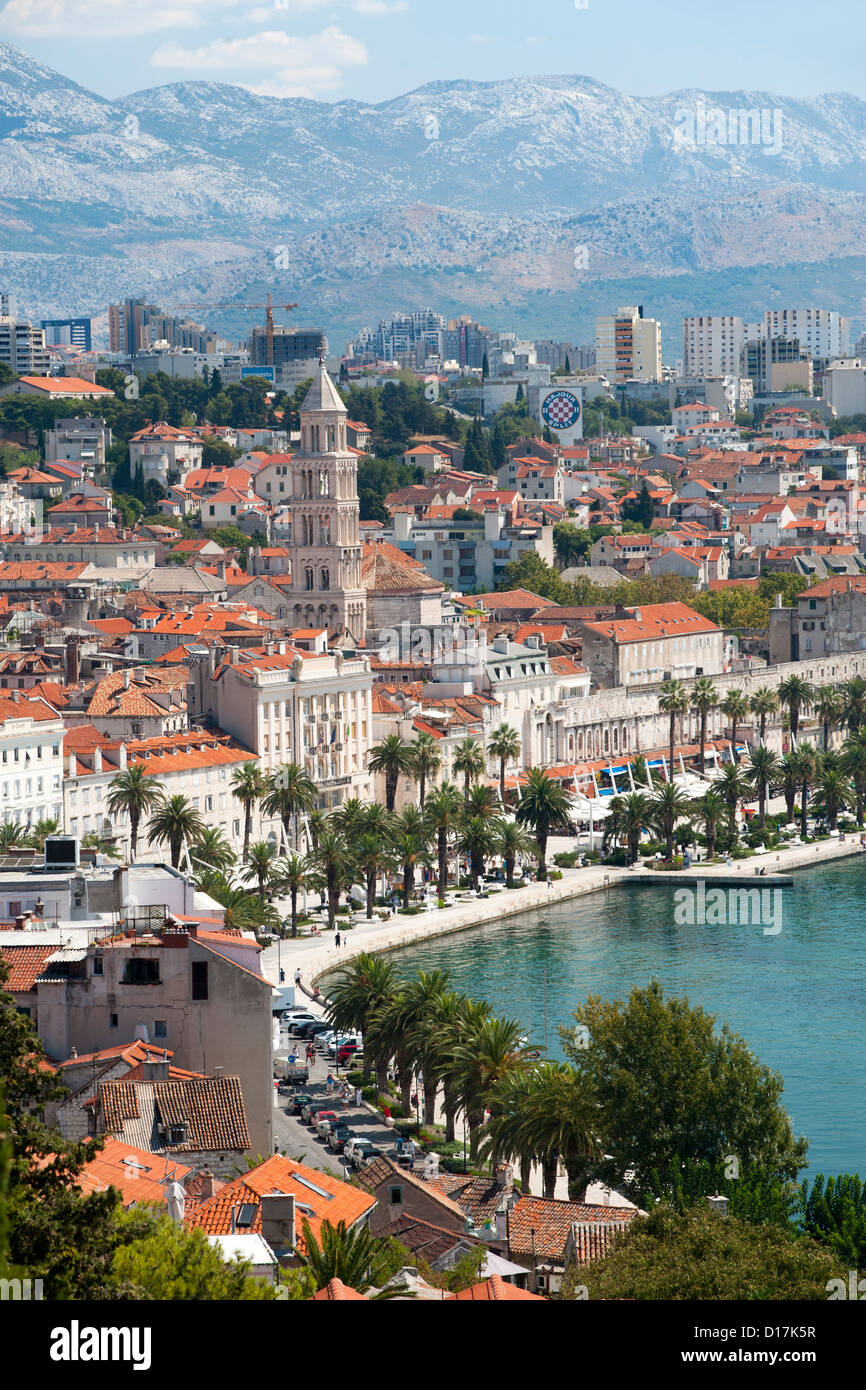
477	38
277	64
80	17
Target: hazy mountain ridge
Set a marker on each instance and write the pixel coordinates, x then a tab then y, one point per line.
479	191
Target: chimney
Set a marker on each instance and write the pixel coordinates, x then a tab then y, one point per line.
205	1183
718	1203
505	1178
97	760
155	1069
72	661
278	1220
126	679
122	756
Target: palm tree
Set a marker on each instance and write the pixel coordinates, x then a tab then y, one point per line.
453	1020
248	786
807	759
674	702
388	1036
828	709
351	818
316	821
378	820
291	877
853	712
358	991
613	831
175	820
260	865
511	840
477	839
103	844
710	808
735	707
796	692
733	786
37	833
354	1256
543	806
668	805
853	763
375	858
333	862
834	794
704	698
636	811
393	759
506	745
427	761
509	1135
469	759
763	703
481	801
410	821
290	792
12	836
558	1121
242	909
410	851
492	1049
789	777
442	809
131	793
421	1002
213	849
762	770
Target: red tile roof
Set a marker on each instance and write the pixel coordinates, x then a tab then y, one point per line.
656	620
335	1291
495	1290
138	1175
25	966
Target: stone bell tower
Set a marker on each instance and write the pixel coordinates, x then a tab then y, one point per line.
327	590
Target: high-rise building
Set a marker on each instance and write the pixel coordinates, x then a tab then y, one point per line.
464	341
824	333
296	352
327	590
8	305
628	347
408	338
22	347
68	332
712	344
134	326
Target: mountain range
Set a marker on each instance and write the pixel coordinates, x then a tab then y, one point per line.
532	203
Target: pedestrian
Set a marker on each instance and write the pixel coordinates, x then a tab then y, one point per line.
293	1060
549	884
282	977
298	976
337	939
330	1084
358	1097
409	1148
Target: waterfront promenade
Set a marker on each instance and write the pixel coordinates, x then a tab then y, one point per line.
316	956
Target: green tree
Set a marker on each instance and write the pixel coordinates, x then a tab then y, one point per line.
469	760
833	1210
492	1049
393	759
853	704
131	793
248	787
160	1260
668	805
763	703
544	807
635	817
477	839
410	851
674	702
734	786
260	866
763	771
828	709
333	863
291	877
289	792
670	1088
710	808
375	858
853	764
806	758
735	706
356	1257
213	850
704	698
700	1254
358	991
506	745
426	762
174	822
641	509
512	840
797	693
833	794
443	809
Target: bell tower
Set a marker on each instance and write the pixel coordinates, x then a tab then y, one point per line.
327	590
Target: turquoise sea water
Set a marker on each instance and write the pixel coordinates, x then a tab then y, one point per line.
798	998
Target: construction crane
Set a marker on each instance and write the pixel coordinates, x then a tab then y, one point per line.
250	309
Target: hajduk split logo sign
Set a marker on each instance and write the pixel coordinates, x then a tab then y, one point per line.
561	410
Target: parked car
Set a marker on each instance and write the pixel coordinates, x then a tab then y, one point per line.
348	1052
298	1075
309	1110
338	1136
297	1102
301	1021
288	1014
324	1120
342	1040
311	1030
363	1153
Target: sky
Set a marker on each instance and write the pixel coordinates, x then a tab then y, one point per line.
374	50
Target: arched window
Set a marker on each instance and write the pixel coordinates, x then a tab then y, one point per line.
606	740
324	530
616	740
308	577
625	736
326	579
580	745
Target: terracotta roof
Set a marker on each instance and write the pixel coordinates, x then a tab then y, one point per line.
284	1175
382	1170
67	384
552	1220
53	570
139	1175
496	1290
335	1291
656	620
25	966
